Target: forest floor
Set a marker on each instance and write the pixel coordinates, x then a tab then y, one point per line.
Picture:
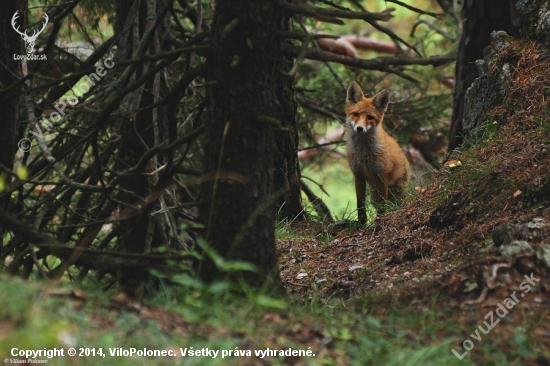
464	263
464	243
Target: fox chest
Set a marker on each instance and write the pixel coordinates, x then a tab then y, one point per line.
364	156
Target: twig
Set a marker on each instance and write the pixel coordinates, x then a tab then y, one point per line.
328	2
313	11
35	260
199	16
318	203
419	11
312	106
113	254
44	146
379	63
435	28
317	184
357	3
394	36
322	145
332	71
296	284
216	182
298	35
229	27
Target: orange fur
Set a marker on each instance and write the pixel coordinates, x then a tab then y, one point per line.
374	156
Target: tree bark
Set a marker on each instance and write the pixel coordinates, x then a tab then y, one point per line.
249	104
480	18
287	165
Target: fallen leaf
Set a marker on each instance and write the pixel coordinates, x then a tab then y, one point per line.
453	163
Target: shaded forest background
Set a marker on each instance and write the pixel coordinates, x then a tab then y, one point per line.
172	173
189	141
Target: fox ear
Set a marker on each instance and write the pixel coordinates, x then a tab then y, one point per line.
355	94
381	100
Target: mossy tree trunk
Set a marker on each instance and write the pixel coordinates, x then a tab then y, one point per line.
480	18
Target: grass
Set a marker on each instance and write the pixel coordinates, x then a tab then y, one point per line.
333	182
336	179
34	317
360	332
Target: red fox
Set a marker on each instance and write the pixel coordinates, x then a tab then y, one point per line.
374	156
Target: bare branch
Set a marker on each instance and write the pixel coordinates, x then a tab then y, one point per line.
318	203
298	35
432	26
379	63
419	11
394	36
328	2
314	11
364	43
312	106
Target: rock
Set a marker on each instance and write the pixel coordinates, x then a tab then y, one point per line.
543	254
347	284
515	247
534	20
536	223
509	232
500	40
483	94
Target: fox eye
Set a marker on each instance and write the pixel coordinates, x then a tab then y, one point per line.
355	114
370	118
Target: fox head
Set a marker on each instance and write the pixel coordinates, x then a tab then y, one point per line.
365	114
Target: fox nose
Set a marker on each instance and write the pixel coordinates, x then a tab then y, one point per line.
359	129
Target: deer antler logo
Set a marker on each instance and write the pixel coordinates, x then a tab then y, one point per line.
29	40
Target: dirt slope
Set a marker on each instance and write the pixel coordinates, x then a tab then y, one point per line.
444	241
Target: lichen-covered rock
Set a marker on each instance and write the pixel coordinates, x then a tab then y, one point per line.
534	20
490	88
543	254
509	232
515	247
536	223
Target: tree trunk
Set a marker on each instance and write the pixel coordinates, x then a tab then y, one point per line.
480	18
287	166
249	104
10	70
